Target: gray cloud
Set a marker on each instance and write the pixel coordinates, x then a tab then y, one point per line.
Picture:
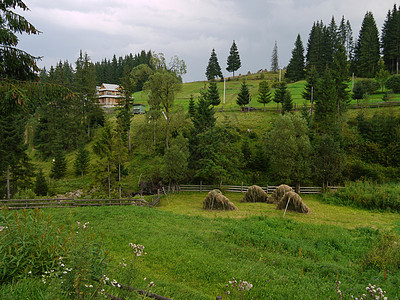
187	28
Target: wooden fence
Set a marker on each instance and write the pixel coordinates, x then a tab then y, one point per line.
70	202
243	188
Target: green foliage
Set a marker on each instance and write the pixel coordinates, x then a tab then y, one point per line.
212	94
295	69
274	59
176	161
41	188
264	93
367	50
289	149
393	83
233	61
59	164
30	244
390	40
367	195
382	77
243	97
282	95
204	115
192	109
81	161
385	254
213	68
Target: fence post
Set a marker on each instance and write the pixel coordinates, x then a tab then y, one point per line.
267	188
241	188
201	185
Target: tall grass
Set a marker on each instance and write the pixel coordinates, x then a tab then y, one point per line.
368	195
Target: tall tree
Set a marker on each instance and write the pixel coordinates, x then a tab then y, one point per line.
367	52
204	114
243	97
341	77
346	37
162	87
390	40
274	59
264	93
281	94
311	84
213	68
295	69
314	56
15	64
291	149
233	60
81	161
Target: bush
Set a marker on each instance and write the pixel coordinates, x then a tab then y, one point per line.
385	254
367	195
363	87
394	83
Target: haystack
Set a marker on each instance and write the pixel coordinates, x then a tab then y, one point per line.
215	200
255	194
278	193
295	203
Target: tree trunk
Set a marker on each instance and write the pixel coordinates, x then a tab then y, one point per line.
264	107
129	140
8	183
297	188
119	179
166	138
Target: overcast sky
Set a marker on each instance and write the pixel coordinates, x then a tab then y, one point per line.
189	29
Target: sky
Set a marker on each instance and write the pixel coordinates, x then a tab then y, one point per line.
189	29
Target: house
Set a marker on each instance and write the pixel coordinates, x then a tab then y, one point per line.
139	109
109	95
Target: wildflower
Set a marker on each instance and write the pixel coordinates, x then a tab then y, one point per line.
144	279
151	284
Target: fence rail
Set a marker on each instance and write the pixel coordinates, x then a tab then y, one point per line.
243	188
70	202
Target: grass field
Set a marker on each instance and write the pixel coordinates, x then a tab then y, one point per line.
193	254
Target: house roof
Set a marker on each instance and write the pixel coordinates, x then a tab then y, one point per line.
109	86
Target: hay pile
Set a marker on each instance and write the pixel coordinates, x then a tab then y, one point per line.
295	203
215	200
278	193
255	194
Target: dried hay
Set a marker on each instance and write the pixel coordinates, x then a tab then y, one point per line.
295	203
215	200
278	193
255	194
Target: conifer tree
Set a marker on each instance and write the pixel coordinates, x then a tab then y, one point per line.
310	88
233	60
41	188
281	94
82	161
244	95
367	52
59	164
204	116
390	40
341	77
264	93
287	104
213	68
274	59
314	56
192	109
295	69
212	94
346	37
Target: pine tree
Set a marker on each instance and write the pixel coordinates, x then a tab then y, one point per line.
264	93
213	68
274	59
192	109
287	104
59	165
204	117
310	88
233	60
346	37
41	188
295	68
244	95
280	94
390	40
82	161
341	77
315	48
367	52
212	94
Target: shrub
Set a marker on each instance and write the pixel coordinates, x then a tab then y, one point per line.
363	87
367	195
385	255
393	83
29	243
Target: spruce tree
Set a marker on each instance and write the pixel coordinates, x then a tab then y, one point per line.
243	97
287	104
59	164
274	59
41	188
213	68
390	40
314	56
264	93
82	161
295	69
192	109
341	77
204	117
233	60
367	52
280	94
212	94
